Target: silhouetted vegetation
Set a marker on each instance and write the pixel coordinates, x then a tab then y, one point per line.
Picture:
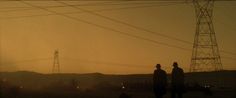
35	85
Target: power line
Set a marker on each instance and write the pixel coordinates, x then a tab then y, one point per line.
83	60
129	7
77	12
111	3
58	6
71	59
159	34
107	28
127	24
104	27
133	26
103	62
147	31
93	4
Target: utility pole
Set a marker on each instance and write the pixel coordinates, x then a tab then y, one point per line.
205	53
56	64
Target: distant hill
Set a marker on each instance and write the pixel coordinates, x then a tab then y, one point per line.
38	80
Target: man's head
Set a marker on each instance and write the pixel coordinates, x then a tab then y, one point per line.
175	64
158	66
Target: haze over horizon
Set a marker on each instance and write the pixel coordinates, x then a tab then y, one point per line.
29	36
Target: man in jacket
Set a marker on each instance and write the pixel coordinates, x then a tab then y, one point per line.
177	81
159	81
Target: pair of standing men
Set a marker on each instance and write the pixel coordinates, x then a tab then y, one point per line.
160	81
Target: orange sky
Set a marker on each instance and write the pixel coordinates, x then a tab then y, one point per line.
29	37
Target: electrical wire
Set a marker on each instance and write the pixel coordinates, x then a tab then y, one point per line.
133	26
159	34
93	4
102	62
77	12
117	31
104	27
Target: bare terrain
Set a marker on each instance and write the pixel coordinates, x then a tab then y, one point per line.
25	84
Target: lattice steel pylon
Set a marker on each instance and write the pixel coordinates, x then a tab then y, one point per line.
56	64
205	53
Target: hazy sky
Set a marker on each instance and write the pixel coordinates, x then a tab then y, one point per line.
29	36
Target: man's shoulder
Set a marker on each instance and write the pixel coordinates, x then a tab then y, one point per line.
155	71
163	71
181	69
160	71
177	70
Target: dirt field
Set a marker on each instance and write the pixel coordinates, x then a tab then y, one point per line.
35	85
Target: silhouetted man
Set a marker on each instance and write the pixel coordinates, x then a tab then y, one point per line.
177	81
159	81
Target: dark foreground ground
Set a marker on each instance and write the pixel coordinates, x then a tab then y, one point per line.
35	85
111	94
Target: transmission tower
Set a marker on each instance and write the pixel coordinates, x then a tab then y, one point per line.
205	54
56	65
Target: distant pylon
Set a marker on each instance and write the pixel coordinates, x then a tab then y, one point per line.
56	64
205	54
